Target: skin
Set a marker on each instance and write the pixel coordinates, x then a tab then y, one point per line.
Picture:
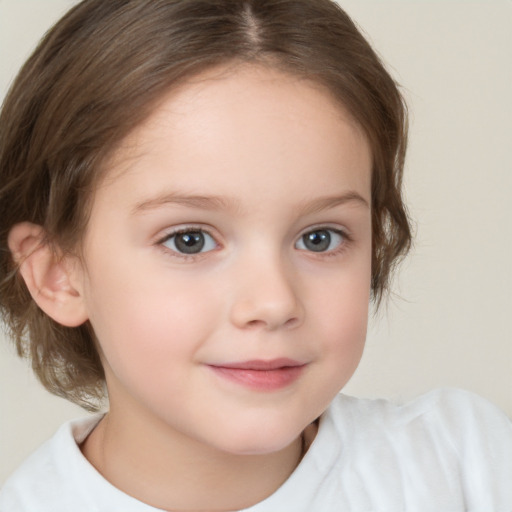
282	159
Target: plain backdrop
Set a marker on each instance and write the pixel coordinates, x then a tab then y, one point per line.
449	323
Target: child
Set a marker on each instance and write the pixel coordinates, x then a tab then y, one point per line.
199	199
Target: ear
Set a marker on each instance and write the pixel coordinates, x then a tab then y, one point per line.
52	279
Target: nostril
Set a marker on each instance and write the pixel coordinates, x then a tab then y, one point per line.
258	324
292	322
255	323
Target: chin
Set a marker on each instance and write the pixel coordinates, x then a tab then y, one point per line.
259	441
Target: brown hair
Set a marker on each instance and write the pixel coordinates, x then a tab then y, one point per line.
98	73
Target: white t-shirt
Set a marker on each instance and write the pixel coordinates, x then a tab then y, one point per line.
446	451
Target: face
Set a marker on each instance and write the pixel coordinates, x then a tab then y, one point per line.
226	265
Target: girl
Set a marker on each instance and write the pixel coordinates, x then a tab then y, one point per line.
199	199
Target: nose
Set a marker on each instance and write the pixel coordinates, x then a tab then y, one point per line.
266	296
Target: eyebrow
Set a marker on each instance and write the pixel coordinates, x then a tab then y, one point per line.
192	201
326	203
218	203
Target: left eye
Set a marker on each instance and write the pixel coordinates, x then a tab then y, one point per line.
193	241
320	240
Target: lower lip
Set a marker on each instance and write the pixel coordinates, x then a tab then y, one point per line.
261	380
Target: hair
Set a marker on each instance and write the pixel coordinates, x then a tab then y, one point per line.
100	72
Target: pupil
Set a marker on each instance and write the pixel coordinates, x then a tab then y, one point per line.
317	241
190	243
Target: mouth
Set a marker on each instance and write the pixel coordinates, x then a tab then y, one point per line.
261	375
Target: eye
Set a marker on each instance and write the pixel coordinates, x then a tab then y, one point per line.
320	240
191	241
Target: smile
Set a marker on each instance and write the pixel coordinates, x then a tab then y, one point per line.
261	375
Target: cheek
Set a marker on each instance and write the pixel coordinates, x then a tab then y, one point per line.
146	326
342	313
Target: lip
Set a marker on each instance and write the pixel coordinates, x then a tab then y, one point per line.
261	375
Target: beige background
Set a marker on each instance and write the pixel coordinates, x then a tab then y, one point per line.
451	325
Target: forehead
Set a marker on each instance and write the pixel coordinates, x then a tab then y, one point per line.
256	120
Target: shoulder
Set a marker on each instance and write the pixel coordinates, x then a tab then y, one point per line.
479	432
444	436
444	403
46	480
460	416
58	478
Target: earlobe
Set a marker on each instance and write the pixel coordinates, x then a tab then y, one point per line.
50	277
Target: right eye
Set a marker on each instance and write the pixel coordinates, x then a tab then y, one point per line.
189	242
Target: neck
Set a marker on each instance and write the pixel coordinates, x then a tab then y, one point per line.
168	470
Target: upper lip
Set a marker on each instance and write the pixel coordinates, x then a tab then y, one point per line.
260	364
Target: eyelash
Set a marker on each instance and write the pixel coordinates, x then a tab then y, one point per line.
346	240
176	254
